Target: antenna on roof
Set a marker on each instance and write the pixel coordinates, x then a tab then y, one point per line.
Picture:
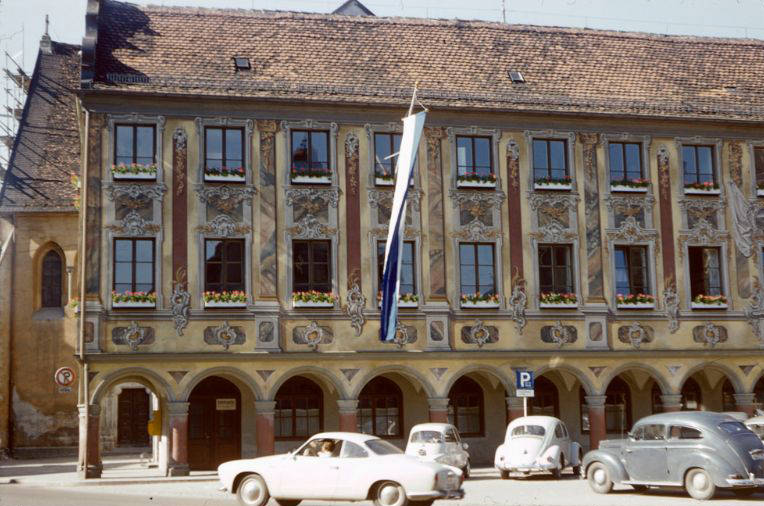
503	11
47	22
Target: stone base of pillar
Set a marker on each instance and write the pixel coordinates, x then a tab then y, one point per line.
438	409
93	471
178	470
671	402
746	403
438	416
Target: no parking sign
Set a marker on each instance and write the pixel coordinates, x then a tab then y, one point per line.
64	378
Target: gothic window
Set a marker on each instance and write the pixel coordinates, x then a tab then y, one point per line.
380	408
224	150
476	269
550	160
465	407
134	144
52	279
310	157
133	265
299	409
386	147
705	271
224	265
407	278
625	162
311	266
555	268
631	270
698	165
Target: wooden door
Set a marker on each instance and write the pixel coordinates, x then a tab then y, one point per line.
133	417
214	424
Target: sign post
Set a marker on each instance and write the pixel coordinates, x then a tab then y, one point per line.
524	384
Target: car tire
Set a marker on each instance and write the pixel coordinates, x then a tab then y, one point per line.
288	502
557	473
253	491
504	475
389	493
599	478
466	470
698	483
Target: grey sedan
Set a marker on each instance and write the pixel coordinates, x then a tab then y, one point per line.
697	450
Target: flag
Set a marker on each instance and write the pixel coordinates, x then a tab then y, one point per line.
412	132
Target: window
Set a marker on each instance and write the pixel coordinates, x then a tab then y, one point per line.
698	164
134	144
758	161
465	407
380	407
224	265
52	279
528	430
408	281
474	161
652	432
625	161
555	268
476	269
311	266
692	397
631	270
310	156
383	447
678	432
353	451
550	160
133	265
223	148
656	399
705	271
386	147
299	409
618	407
558	432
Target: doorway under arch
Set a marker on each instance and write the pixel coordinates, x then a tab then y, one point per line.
214	423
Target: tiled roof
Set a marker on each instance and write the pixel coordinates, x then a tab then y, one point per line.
47	147
375	60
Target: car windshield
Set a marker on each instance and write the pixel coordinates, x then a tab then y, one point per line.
427	436
382	447
528	430
733	427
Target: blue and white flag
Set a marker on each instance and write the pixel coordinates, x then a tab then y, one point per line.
404	168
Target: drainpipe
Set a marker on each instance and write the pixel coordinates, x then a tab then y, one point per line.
10	243
82	391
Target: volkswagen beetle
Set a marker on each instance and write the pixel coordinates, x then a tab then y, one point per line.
698	450
439	442
537	443
341	466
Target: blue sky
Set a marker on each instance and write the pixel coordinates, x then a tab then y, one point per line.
728	18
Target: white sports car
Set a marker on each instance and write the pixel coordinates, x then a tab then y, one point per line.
439	442
537	443
341	466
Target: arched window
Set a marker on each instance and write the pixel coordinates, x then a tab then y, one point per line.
618	407
52	279
380	408
465	407
692	398
299	409
545	400
657	401
728	396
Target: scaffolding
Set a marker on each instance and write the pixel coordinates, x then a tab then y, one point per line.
15	86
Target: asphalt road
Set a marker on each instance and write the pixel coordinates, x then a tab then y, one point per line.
484	490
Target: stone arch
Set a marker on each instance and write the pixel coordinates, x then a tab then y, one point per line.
237	376
654	374
141	375
412	375
496	372
586	383
321	376
728	372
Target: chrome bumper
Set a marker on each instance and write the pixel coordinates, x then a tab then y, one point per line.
438	494
746	482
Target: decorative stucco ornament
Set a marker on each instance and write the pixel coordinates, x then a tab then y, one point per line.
479	334
134	335
401	335
637	334
743	220
754	313
356	301
711	334
560	334
180	301
517	303
225	334
671	305
313	335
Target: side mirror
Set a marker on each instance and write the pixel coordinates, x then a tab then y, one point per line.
465	446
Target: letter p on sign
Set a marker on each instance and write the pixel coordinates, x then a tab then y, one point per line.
524	383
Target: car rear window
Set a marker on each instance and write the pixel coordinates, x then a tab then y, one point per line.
678	432
427	436
528	430
733	427
382	447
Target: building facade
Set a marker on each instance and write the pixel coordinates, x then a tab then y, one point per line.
585	205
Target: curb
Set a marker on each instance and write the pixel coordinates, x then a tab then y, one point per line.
106	482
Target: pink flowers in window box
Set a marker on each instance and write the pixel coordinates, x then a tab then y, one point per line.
702	301
382	178
476	180
134	171
313	298
133	299
551	183
707	187
225	174
311	175
630	185
404	299
478	300
635	301
225	299
558	300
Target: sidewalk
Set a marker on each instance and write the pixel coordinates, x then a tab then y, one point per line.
117	470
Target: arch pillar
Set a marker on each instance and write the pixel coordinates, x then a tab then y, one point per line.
438	409
177	413
348	411
514	407
597	427
746	403
671	402
89	421
264	429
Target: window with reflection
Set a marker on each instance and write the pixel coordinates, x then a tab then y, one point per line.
705	271
311	266
380	408
299	409
224	265
465	407
386	147
698	165
631	270
133	265
555	268
618	407
310	156
224	149
550	160
474	160
625	162
134	144
52	279
407	272
476	269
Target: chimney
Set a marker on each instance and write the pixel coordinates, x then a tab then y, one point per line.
46	46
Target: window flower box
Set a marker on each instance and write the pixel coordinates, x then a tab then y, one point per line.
384	179
475	180
638	301
225	175
137	300
548	183
134	171
234	299
404	300
313	299
490	301
558	300
630	185
707	188
709	302
310	176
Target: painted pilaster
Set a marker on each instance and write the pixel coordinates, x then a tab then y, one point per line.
435	229
348	411
742	263
264	430
597	427
89	431
267	228
93	244
178	421
595	277
515	211
179	203
667	220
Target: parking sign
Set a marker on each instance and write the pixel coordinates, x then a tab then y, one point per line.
524	383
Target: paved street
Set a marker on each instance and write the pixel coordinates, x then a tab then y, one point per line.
484	489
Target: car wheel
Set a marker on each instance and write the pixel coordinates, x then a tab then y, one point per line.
557	473
466	470
390	493
744	492
253	491
698	483
504	475
599	478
